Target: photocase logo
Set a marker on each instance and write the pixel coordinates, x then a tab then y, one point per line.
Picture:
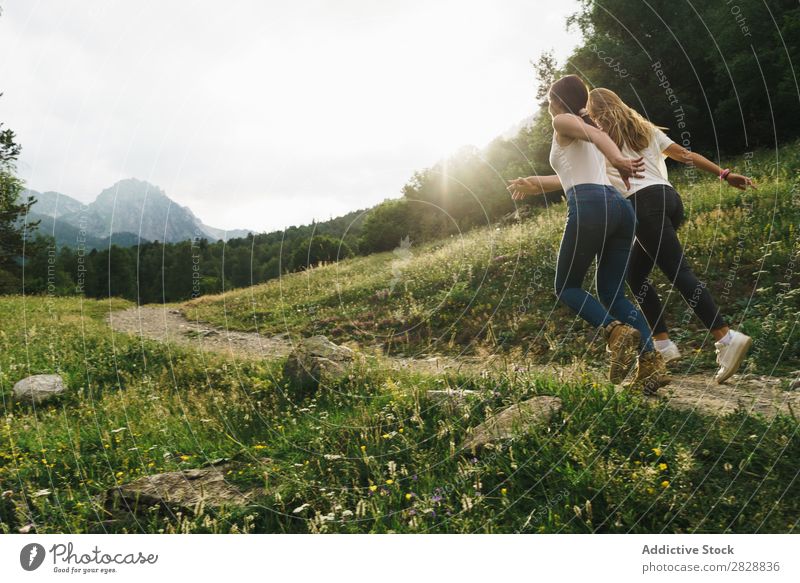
31	556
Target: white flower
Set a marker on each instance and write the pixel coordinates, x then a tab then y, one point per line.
299	509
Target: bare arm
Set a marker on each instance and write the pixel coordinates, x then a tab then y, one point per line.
684	156
522	187
572	126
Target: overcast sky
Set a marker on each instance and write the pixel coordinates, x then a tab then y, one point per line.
264	114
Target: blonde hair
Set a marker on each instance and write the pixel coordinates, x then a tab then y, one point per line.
623	124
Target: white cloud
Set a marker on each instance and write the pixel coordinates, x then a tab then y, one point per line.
264	114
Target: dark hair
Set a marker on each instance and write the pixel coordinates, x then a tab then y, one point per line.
572	94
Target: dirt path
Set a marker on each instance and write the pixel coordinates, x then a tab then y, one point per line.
762	395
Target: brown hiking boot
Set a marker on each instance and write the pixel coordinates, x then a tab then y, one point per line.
651	373
622	344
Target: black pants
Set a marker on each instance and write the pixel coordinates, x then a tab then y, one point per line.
659	213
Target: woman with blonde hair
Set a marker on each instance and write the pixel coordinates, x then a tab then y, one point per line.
659	213
600	225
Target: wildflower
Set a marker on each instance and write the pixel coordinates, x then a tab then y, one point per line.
389	482
651	491
400	430
409	496
363	448
118	474
657	450
665	484
372	488
386	436
436	499
662	466
185	458
503	491
259	446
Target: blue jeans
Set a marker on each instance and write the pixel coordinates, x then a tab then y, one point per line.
600	223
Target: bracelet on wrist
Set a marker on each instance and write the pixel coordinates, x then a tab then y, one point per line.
724	174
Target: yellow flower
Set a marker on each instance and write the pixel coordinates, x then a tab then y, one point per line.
373	488
400	430
650	491
363	448
665	484
118	474
662	466
389	482
185	458
259	446
503	491
386	436
409	496
657	450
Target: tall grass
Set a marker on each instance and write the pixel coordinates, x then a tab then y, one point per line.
491	288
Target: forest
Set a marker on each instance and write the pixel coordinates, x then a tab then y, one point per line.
713	74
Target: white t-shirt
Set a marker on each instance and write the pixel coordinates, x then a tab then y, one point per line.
580	162
655	167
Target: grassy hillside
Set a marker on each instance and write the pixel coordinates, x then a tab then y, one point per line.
371	454
491	289
374	453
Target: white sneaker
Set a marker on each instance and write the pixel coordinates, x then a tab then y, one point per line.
730	356
670	352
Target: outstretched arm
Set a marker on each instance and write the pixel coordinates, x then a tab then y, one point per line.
522	187
681	154
572	126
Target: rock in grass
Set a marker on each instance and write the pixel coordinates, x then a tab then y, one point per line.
513	420
39	388
184	490
316	360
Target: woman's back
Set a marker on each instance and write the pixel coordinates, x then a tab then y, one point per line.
655	167
579	162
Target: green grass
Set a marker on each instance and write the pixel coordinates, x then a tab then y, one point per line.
135	408
373	453
491	289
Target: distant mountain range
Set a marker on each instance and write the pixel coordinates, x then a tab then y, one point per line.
129	212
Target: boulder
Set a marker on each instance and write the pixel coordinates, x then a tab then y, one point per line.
317	360
513	420
183	490
39	388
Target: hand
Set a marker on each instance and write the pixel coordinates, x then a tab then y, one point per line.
739	181
629	168
522	187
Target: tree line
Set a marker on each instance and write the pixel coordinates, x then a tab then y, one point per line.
719	76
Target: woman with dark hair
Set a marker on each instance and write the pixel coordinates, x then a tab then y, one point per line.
600	224
659	213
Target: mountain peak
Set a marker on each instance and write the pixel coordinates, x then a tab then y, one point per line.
136	207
